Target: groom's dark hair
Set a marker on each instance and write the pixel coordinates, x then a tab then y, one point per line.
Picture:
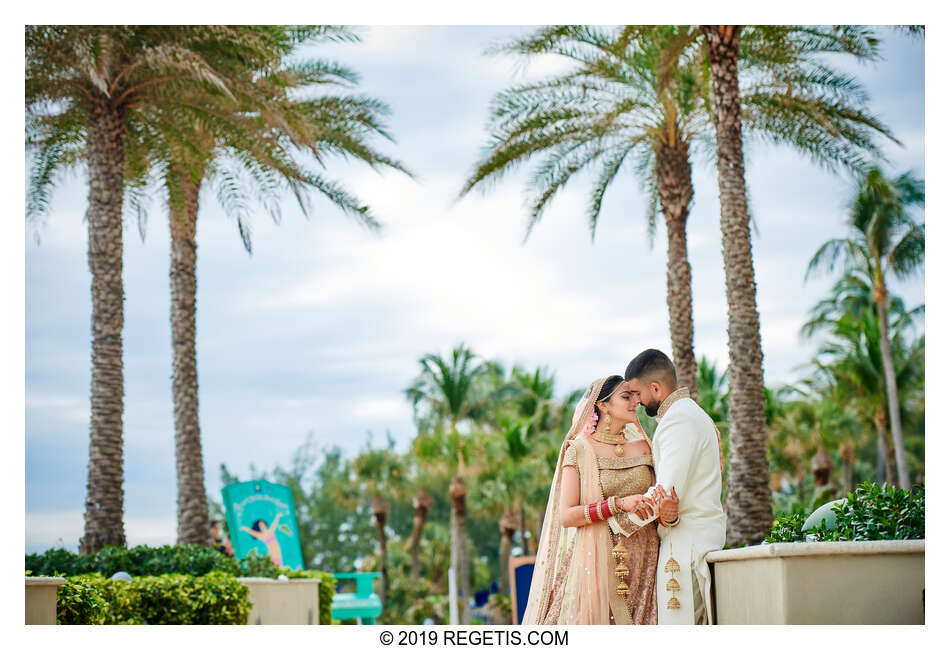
651	364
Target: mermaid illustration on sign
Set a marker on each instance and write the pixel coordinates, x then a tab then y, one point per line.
267	535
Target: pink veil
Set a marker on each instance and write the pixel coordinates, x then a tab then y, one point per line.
587	594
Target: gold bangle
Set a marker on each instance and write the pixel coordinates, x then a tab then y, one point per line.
672	524
587	514
612	504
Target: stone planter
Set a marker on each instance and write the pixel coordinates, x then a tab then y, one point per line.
825	583
41	600
283	602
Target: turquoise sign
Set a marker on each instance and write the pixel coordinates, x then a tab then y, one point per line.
262	520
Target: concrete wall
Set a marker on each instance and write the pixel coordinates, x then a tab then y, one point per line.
41	600
283	602
829	583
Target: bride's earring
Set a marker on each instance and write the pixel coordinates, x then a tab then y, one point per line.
606	422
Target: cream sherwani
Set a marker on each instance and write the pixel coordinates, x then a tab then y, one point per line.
686	455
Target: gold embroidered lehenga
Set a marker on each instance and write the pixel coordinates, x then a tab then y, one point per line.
622	477
575	578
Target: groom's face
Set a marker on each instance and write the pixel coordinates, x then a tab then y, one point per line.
647	393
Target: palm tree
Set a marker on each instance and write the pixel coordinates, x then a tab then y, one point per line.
639	97
381	471
833	134
852	359
850	315
886	241
447	393
421	504
749	503
614	107
252	142
87	88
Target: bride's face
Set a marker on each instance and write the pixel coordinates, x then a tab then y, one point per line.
622	406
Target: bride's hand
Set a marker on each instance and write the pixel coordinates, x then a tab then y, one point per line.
638	504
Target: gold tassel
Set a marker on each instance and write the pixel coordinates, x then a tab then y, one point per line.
672	566
623	590
620	553
672	603
621	571
672	585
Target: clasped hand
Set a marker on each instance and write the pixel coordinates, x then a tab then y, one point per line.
643	506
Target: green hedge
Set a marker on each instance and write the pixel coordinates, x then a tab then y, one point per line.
162	562
871	512
137	561
212	599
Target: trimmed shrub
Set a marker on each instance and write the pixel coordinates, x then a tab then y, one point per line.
212	599
165	562
137	561
871	512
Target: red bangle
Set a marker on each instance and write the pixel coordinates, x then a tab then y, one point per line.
594	512
604	510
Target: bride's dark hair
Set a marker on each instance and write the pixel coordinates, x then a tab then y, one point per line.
607	390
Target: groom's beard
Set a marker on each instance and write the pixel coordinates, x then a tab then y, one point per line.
651	408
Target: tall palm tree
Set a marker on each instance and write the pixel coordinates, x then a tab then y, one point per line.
246	146
777	55
749	503
614	108
638	97
87	88
447	393
886	241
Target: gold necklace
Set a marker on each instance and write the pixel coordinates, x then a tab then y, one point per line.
615	439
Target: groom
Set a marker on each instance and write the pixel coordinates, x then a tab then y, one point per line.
688	462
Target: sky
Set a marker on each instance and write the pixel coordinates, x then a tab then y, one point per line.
321	329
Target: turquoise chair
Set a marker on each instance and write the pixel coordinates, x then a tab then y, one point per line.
364	604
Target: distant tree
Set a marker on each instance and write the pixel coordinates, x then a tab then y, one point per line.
884	241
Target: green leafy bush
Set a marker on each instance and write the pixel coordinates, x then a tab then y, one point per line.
137	561
212	599
80	602
871	512
166	562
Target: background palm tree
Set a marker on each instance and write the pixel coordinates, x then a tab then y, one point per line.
886	241
249	145
381	475
447	393
87	88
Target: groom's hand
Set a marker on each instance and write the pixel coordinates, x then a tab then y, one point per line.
668	504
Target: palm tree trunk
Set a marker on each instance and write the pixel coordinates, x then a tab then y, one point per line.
379	513
890	381
459	560
193	520
104	491
675	187
507	525
420	506
749	503
886	469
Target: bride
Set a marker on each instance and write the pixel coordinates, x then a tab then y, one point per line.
597	554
